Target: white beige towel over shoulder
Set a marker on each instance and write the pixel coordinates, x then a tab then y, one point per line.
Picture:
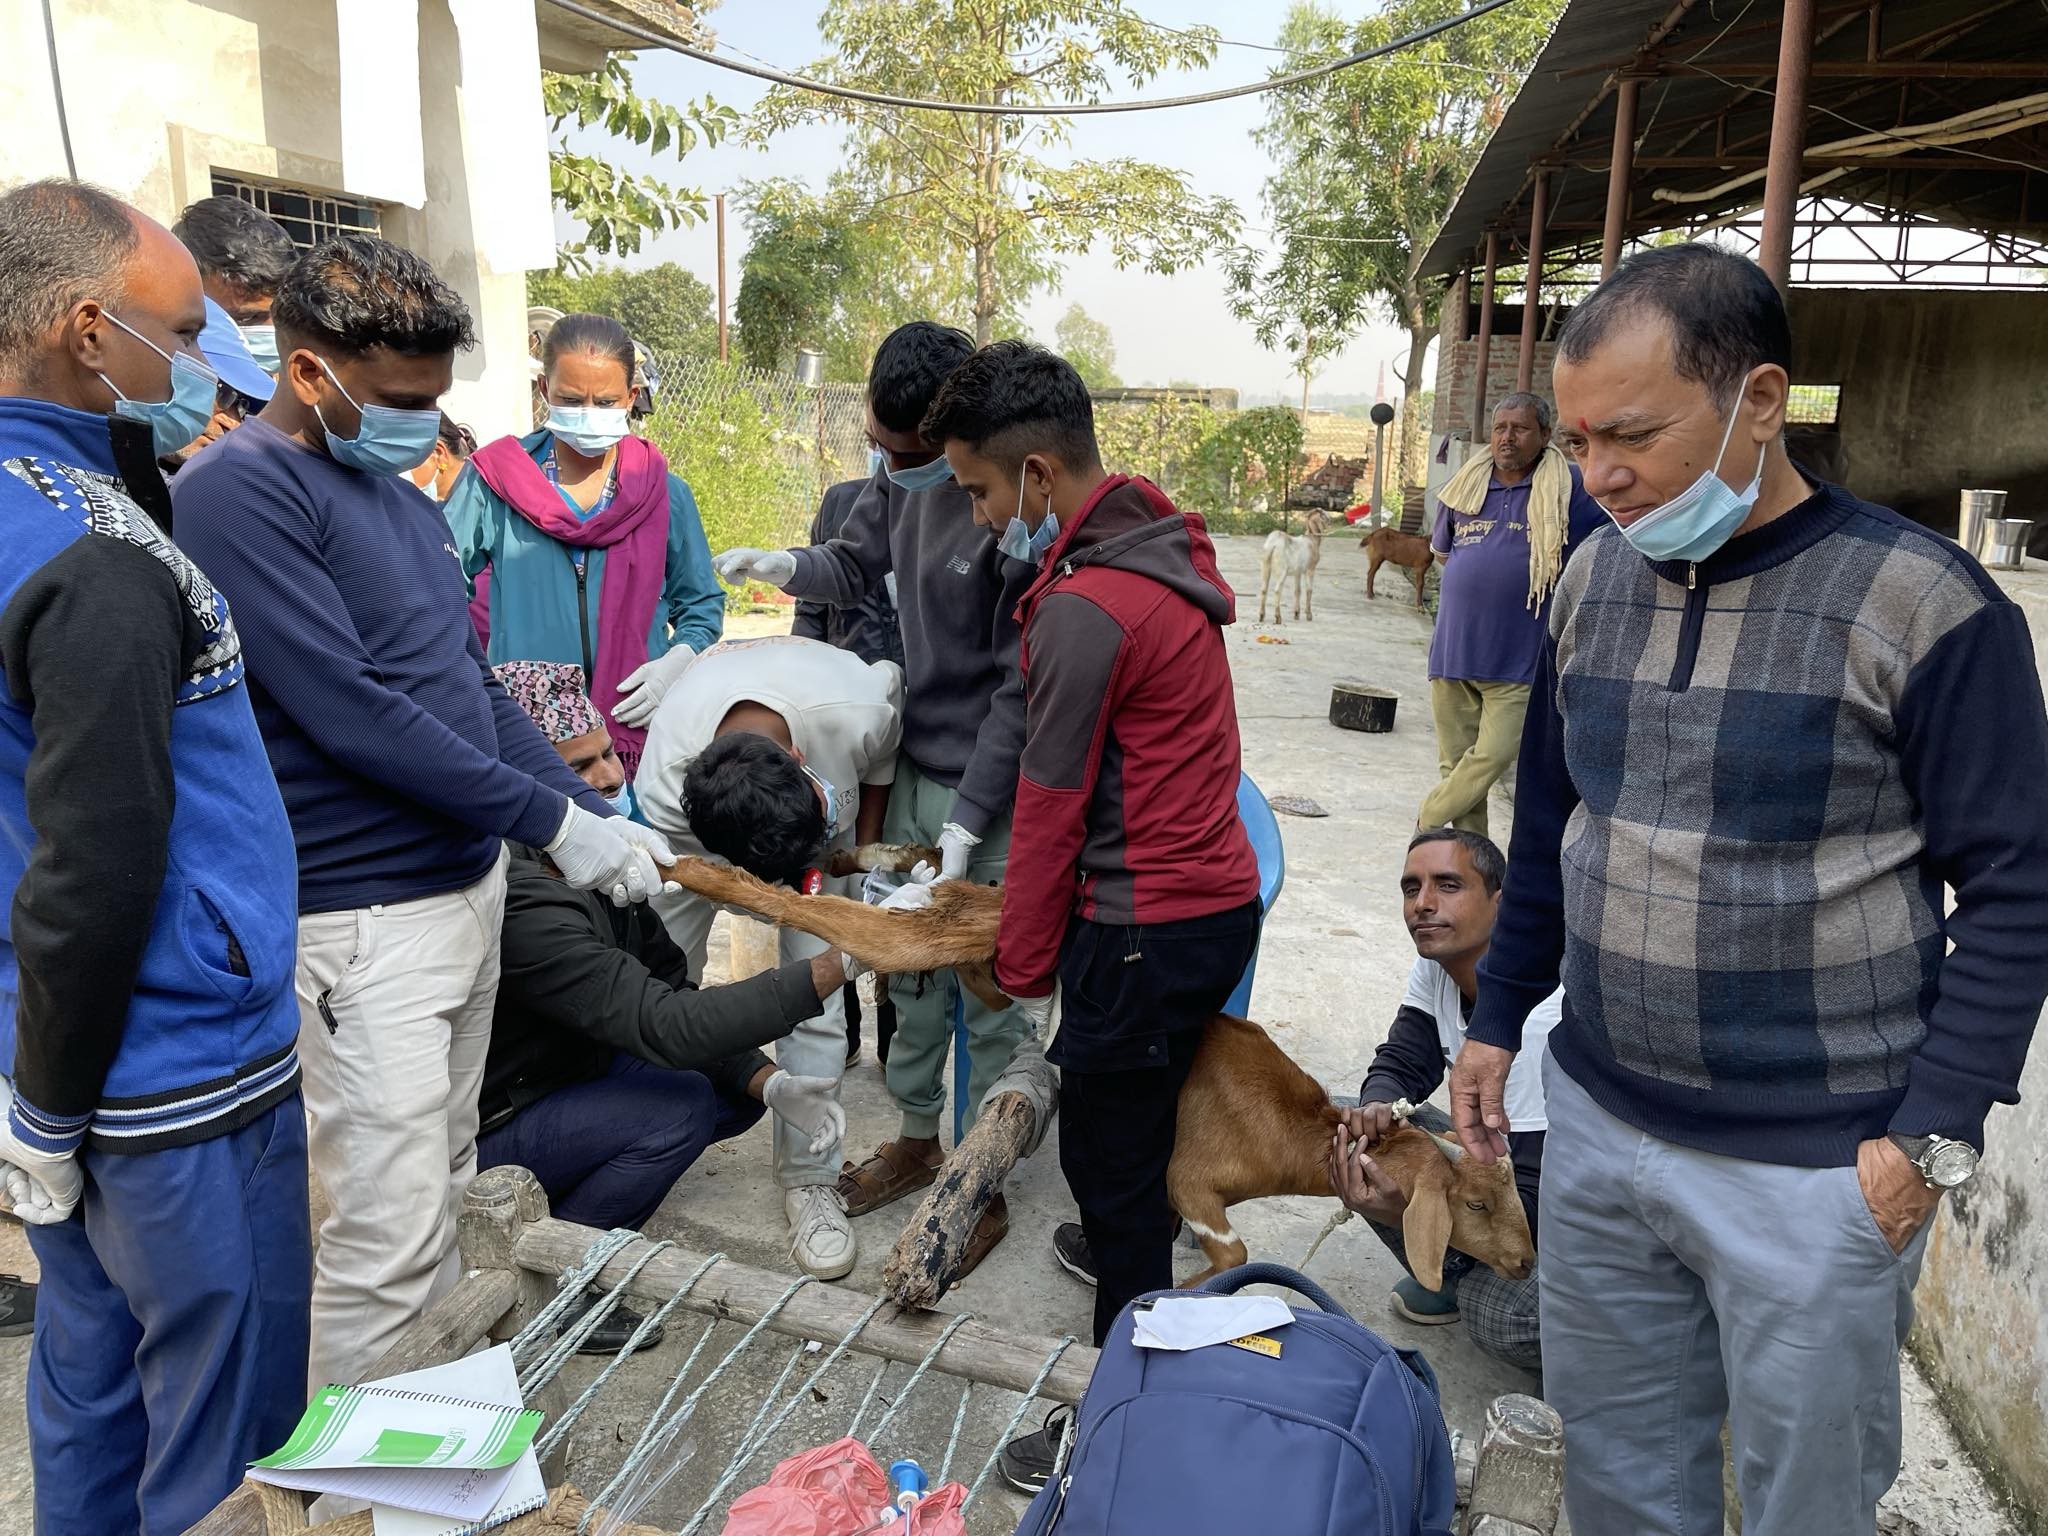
1550	494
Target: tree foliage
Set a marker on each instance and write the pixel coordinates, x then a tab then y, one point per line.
616	208
1086	342
989	203
1366	164
667	308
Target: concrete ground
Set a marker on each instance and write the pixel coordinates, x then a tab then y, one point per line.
1330	975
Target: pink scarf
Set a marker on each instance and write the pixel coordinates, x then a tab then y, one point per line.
634	529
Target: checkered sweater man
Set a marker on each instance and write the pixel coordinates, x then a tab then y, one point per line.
1735	822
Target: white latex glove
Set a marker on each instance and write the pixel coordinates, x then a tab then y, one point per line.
811	1104
878	885
914	897
1038	1012
42	1187
640	695
774	566
609	853
956	847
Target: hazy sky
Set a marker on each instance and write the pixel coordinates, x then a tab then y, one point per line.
1165	327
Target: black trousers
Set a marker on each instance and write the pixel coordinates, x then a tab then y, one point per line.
885	1021
1134	1003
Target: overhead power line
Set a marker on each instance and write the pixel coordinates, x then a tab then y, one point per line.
1033	109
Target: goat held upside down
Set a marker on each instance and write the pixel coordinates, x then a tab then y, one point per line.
1292	557
1251	1123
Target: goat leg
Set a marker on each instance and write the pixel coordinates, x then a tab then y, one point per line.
899	857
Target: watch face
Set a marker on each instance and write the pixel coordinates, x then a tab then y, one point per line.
1949	1163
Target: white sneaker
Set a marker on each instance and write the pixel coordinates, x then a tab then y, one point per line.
820	1236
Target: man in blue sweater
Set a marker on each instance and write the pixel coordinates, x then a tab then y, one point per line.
1757	752
404	764
153	1137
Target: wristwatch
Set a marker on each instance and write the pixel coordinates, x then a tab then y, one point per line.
1942	1162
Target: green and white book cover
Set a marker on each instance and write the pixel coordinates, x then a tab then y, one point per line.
363	1427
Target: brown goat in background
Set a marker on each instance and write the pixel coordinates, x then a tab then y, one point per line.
1404	549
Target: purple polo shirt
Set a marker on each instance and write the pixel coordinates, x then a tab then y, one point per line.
1485	629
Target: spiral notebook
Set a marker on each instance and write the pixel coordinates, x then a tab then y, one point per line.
446	1451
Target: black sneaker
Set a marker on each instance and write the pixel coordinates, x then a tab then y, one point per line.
17	1307
610	1336
1027	1462
1070	1247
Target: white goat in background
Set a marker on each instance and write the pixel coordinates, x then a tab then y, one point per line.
1292	557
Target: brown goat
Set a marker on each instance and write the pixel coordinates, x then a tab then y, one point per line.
1404	549
1252	1123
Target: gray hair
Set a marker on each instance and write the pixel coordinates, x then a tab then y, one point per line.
1522	400
60	242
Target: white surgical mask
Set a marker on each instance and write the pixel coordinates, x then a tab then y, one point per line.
1703	516
588	429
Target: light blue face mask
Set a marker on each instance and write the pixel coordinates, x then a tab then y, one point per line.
1028	544
589	429
624	803
875	459
1703	516
388	441
831	795
261	340
174	422
924	477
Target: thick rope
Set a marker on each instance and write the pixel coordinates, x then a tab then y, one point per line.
573	1280
953	1440
593	1318
1017	1418
867	1402
910	1386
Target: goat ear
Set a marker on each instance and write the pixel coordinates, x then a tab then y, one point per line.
1426	1224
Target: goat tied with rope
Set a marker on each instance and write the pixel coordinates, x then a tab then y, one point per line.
1251	1124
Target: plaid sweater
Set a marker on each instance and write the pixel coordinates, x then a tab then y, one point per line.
1743	786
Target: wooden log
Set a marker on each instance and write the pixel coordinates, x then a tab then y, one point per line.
1361	707
1520	1477
976	1351
929	1252
499	1206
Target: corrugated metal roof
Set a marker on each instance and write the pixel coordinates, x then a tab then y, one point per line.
1704	119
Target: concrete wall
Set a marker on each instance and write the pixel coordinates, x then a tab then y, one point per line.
1941	390
158	94
1982	1332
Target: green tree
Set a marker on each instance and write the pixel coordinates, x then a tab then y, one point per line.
1366	164
1087	343
1271	436
666	308
616	208
987	201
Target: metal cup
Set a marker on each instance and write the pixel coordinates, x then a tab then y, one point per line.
2007	537
1978	509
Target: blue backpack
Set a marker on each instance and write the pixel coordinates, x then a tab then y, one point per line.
1335	1431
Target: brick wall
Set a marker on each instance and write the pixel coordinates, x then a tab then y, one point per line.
1454	379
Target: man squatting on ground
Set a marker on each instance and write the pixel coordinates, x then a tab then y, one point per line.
609	1072
963	727
769	753
405	768
1760	746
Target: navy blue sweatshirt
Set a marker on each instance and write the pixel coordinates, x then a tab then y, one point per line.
402	760
1744	784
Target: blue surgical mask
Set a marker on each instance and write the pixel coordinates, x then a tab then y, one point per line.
824	788
1028	544
874	462
624	803
588	429
924	477
1703	516
174	422
388	441
261	340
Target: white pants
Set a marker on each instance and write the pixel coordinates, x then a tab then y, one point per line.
395	1010
815	1048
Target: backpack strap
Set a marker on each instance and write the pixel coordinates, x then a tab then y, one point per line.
1232	1281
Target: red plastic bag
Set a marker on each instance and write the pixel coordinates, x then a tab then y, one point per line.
838	1490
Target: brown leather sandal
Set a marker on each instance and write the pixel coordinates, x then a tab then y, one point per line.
893	1172
993	1227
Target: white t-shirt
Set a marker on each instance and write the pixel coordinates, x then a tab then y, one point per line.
845	716
1432	991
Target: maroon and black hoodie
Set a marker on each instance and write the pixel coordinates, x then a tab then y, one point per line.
1127	793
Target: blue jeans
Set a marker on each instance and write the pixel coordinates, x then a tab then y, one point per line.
607	1151
170	1342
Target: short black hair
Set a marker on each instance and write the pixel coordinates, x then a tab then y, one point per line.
1487	858
910	365
459	440
60	242
751	804
585	332
236	241
1725	315
1011	399
357	292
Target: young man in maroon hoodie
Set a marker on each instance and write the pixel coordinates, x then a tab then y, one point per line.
1132	890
